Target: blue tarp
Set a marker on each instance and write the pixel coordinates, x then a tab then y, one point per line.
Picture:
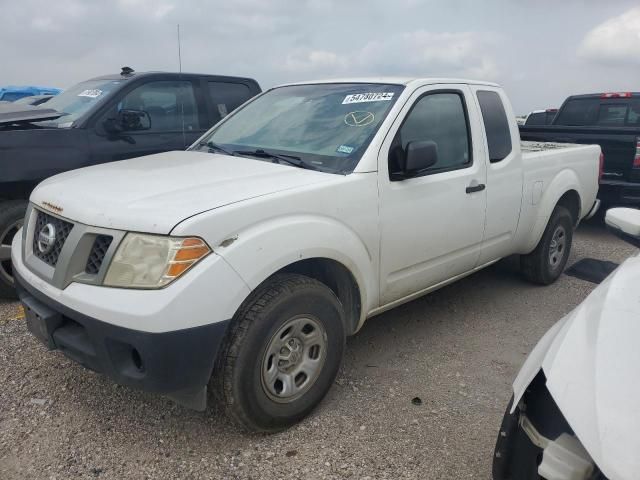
12	93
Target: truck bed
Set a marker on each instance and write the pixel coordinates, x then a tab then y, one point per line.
530	147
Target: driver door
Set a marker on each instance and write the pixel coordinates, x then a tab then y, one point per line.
431	222
170	104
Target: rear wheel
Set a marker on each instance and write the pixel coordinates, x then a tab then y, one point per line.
546	263
282	353
11	218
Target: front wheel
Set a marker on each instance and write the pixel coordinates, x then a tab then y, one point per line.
546	263
282	353
11	218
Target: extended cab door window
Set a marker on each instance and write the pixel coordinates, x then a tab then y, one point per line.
440	118
496	125
226	97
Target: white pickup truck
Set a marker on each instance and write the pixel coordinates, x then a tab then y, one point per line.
243	263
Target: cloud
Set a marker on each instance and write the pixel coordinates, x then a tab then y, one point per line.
417	53
614	42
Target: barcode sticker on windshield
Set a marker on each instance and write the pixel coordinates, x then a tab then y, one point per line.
95	93
368	97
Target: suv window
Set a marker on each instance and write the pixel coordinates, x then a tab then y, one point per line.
442	119
166	102
226	97
496	125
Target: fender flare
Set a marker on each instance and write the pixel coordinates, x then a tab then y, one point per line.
264	248
564	182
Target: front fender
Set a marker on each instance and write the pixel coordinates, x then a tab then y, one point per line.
533	363
264	248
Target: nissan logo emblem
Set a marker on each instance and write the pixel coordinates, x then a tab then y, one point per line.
46	238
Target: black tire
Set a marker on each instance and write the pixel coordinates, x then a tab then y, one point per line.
238	378
11	216
538	266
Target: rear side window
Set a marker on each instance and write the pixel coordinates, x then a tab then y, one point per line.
496	125
226	97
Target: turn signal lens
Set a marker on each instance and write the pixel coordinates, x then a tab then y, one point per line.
191	250
153	261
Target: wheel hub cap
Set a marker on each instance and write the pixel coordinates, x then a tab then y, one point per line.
293	359
557	246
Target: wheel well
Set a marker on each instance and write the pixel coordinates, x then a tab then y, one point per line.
339	279
571	201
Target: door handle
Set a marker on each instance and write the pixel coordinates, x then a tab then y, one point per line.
476	188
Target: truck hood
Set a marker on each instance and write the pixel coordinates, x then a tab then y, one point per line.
154	193
10	114
591	360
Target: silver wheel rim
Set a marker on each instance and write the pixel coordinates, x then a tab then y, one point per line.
558	246
6	237
293	359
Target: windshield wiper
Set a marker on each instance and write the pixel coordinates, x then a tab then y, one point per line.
277	158
214	147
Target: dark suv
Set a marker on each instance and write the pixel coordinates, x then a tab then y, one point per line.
104	119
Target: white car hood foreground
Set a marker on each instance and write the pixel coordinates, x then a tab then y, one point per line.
154	193
591	360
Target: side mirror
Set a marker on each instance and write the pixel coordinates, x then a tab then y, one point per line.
420	156
625	224
128	121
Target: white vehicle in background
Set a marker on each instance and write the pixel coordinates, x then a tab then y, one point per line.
574	415
244	262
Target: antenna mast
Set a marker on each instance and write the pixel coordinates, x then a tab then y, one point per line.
184	136
179	51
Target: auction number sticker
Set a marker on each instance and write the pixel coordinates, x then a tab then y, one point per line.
368	97
94	93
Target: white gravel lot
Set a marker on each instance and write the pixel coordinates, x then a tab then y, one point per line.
457	349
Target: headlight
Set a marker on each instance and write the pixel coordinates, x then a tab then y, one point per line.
153	261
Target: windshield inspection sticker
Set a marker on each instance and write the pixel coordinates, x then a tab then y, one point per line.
90	93
368	97
345	149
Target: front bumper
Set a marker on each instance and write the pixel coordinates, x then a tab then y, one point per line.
177	363
164	341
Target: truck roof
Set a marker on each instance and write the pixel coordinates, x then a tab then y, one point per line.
120	76
607	95
417	81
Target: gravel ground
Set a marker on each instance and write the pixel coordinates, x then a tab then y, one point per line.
457	349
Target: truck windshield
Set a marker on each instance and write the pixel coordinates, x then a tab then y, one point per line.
77	100
323	126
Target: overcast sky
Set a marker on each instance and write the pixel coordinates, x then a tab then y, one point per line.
540	51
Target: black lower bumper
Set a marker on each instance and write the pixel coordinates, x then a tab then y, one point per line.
618	192
177	363
515	456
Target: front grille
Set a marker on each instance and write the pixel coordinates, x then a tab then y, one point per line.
61	229
98	251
